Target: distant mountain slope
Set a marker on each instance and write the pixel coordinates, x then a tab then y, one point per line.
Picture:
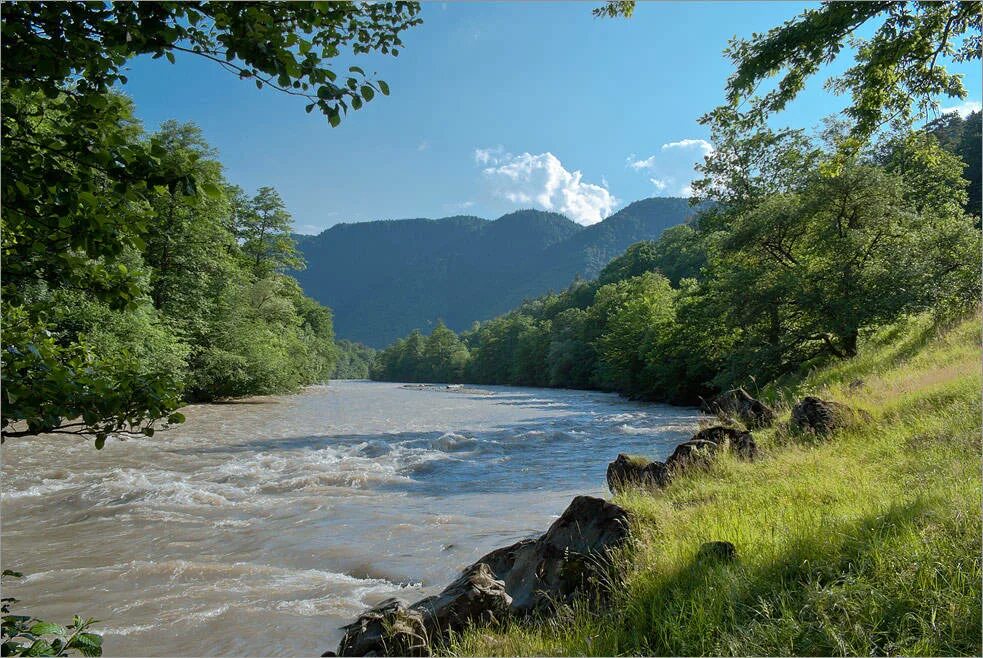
385	278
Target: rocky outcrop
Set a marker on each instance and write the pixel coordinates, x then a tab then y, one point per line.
823	417
529	576
739	404
695	453
633	471
740	442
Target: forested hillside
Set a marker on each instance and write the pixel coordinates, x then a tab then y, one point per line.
789	264
385	278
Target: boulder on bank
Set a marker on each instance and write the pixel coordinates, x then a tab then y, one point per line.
475	597
823	417
634	471
565	562
738	403
742	443
388	629
695	453
529	576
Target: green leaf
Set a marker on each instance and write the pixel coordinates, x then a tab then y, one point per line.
176	417
383	87
368	92
100	441
149	431
47	628
211	189
170	56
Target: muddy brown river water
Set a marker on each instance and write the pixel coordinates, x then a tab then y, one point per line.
258	528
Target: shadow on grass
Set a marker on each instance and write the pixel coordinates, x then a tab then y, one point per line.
822	596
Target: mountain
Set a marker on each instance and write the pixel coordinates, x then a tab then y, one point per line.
386	278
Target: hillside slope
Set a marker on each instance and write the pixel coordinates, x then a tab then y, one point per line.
867	543
383	279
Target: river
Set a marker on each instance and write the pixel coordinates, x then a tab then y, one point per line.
261	526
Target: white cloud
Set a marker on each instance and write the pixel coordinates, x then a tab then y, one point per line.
423	145
543	181
671	170
964	109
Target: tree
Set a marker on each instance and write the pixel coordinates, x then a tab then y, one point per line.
263	229
896	69
81	189
285	46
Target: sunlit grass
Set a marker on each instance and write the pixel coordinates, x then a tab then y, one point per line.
866	543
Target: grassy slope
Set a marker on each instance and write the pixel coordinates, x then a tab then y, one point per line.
868	543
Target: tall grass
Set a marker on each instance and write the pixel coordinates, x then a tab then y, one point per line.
865	543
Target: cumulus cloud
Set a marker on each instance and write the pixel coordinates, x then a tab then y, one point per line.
964	109
543	181
671	170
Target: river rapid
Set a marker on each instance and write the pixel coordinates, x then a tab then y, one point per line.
259	527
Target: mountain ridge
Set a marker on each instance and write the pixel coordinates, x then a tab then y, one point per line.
385	278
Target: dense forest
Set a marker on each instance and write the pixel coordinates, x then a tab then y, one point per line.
135	276
385	278
788	263
209	312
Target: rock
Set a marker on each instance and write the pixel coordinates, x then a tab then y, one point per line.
529	576
742	443
388	629
476	596
822	417
634	471
739	403
564	562
695	453
717	551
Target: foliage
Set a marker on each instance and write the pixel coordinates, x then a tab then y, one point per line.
286	46
962	137
24	635
897	67
354	360
207	310
92	204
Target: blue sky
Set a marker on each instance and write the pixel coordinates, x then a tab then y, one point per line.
494	106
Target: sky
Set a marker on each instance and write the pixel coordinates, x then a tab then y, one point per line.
493	107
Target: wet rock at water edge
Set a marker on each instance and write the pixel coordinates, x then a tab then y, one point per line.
739	404
695	453
388	629
529	576
475	597
740	442
567	561
634	471
823	417
717	551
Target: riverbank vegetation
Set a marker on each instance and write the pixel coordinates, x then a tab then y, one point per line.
135	276
867	543
795	260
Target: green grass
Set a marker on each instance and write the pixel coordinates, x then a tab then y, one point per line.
867	543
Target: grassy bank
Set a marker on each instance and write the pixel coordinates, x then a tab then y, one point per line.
866	543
